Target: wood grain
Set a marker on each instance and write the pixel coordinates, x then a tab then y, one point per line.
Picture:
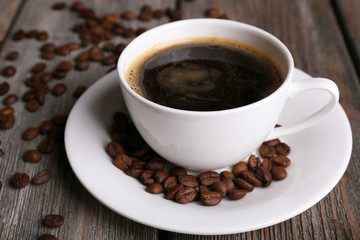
309	28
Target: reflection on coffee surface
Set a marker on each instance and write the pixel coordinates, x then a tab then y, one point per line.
204	74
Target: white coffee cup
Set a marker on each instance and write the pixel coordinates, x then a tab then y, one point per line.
215	139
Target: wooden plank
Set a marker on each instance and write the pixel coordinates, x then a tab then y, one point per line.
8	11
22	210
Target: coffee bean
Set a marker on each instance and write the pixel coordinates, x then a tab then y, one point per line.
253	162
159	13
223	16
46	77
127	15
240	166
229	184
160	176
59	89
219	187
4	88
210	198
145	16
146	177
8	71
212	12
140	30
188	180
13	55
146	8
112	59
18	35
59	74
237	194
32	155
42	177
178	171
7	121
59	6
10	99
119	48
78	6
48	47
62	50
208	178
128	33
32	33
154	188
282	149
82	65
170	182
186	195
53	220
96	56
46	145
32	105
79	91
20	180
42	36
281	160
114	148
1	152
141	152
203	189
272	143
267	163
174	15
278	173
250	178
226	174
47	237
267	151
64	66
171	191
242	184
122	161
47	55
155	163
45	126
265	176
0	185
30	133
5	111
109	47
39	67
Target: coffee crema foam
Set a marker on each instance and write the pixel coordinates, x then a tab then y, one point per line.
204	74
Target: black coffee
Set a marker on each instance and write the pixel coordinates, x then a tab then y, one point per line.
205	76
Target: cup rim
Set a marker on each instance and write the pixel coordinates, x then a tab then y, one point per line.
154	105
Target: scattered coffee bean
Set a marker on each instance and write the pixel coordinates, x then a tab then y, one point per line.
1	153
11	56
186	195
112	59
32	155
267	163
208	178
160	176
45	126
229	184
32	105
178	171
212	12
20	180
210	198
82	65
253	162
4	88
78	6
42	177
237	194
145	16
155	188
219	187
53	220
42	36
128	15
59	6
59	74
8	71
62	50
122	161
146	177
283	149
59	89
267	151
18	35
170	182
188	180
39	67
171	191
114	148
47	55
243	184
155	163
46	77
64	66
224	16
282	161
265	176
30	133
159	13
278	173
6	111
250	178
47	237
240	166
46	145
272	143
48	47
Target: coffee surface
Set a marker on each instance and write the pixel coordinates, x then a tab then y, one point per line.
206	76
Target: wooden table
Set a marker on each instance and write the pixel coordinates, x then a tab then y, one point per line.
322	35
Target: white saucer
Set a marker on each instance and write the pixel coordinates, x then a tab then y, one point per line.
319	156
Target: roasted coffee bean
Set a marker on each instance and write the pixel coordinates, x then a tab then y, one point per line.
146	8
210	198
159	13
48	47
134	171
154	188
212	12
109	47
82	56
122	161
237	194
128	33
110	17
226	174
30	133
174	15
229	184
267	151
1	153
282	149
45	126
128	15
208	178
42	177
223	16
155	163
4	88
203	189
119	48
78	6
0	185
188	180
62	50
253	162
64	66
39	67
59	74
32	33
47	236
112	59
146	177
171	191
79	91
178	171
18	35
170	182
145	16
140	30
20	180
240	166
10	99
53	220
250	178
219	187
32	105
59	89
160	176
96	56
7	121
278	173
267	163
73	46
281	161
141	152
8	71
42	36
59	120
46	145
59	6
242	184
46	77
265	176
56	134
11	56
186	195
272	143
32	155
5	111
82	65
29	95
47	55
114	148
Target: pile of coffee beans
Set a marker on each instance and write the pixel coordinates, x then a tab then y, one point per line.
135	158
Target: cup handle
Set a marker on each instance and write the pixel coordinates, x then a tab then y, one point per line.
306	85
